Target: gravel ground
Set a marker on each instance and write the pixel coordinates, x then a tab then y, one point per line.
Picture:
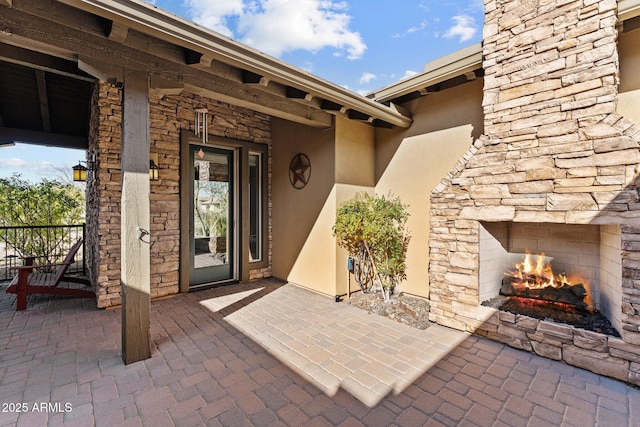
401	307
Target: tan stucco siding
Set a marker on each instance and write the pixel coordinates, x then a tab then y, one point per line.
355	153
629	89
410	163
303	245
355	173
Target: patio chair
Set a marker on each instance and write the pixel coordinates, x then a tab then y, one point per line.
29	281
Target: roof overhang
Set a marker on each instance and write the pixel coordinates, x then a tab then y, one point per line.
628	9
464	62
170	28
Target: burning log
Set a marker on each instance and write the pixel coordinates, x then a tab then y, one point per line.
567	294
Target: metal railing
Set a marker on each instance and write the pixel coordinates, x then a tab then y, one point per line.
48	244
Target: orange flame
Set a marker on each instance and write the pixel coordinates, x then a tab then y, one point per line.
539	274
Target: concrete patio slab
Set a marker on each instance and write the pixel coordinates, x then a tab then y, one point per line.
265	353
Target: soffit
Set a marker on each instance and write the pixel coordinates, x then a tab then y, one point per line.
40	104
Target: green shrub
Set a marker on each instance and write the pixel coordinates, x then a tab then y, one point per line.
377	224
23	204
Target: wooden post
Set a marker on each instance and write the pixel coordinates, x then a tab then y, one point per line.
135	259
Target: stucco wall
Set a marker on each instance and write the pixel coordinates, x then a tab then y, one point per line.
629	89
355	173
410	163
303	246
304	249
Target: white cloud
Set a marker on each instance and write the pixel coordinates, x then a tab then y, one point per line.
12	163
421	26
28	169
279	26
367	78
464	28
214	14
409	73
414	29
307	66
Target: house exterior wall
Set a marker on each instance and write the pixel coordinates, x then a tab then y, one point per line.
629	89
168	115
303	247
411	162
355	173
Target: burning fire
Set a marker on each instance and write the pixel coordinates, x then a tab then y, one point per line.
539	274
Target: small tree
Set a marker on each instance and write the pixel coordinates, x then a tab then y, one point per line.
377	224
23	204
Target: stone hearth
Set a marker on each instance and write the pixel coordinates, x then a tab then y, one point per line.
555	153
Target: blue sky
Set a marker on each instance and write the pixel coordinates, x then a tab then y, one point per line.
362	45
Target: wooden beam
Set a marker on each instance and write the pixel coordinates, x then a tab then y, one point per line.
51	64
117	32
42	138
263	103
44	100
294	93
135	257
6	3
160	87
250	78
197	59
357	115
382	124
102	70
330	105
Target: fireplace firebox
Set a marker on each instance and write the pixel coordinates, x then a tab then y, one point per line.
586	276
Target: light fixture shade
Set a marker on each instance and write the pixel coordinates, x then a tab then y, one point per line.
153	171
79	173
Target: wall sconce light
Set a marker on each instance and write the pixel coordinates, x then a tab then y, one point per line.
201	127
80	171
154	170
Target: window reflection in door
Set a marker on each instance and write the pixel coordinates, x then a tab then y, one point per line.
211	211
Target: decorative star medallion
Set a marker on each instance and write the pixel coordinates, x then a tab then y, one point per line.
299	171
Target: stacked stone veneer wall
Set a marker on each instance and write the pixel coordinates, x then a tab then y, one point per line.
555	151
168	115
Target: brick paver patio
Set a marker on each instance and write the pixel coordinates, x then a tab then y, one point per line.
271	354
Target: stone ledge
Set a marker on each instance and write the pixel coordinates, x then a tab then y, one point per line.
599	363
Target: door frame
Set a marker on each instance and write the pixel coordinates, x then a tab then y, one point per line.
243	263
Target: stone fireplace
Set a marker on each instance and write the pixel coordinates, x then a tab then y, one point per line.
557	169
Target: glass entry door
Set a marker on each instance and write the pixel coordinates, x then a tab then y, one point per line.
212	216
